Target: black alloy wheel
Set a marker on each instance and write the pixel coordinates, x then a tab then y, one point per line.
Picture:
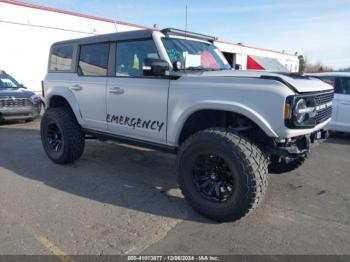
213	178
222	174
54	137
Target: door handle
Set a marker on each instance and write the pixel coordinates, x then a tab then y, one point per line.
76	87
345	103
116	90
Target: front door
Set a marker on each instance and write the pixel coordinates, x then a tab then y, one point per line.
137	104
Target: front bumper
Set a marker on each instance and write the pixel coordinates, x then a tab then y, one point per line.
298	146
20	112
290	133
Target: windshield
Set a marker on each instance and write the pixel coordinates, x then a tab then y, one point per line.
6	81
194	54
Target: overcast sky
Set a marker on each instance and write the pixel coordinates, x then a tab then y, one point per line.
318	29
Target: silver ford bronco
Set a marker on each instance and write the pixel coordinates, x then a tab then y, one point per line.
174	91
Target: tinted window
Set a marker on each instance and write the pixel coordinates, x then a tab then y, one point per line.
345	85
93	60
130	56
61	58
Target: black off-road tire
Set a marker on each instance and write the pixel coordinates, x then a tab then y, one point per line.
241	155
73	140
279	167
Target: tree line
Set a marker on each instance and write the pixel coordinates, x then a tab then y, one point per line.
306	66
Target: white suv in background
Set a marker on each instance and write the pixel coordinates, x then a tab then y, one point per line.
341	103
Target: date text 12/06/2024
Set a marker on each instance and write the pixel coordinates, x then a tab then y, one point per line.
135	122
173	258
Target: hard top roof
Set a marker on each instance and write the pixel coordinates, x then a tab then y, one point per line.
136	34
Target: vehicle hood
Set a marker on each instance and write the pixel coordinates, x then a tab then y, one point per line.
15	92
301	84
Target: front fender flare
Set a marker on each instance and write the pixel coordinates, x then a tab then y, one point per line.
212	105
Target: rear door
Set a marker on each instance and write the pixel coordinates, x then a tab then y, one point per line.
90	83
342	98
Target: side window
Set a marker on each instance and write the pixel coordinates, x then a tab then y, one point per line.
130	56
61	58
93	59
345	82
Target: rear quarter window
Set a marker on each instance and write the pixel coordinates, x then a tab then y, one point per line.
61	58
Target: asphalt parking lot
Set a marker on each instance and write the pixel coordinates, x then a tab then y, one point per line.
125	200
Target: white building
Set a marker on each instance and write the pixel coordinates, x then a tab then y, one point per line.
252	58
28	31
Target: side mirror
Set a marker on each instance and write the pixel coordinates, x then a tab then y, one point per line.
154	67
22	86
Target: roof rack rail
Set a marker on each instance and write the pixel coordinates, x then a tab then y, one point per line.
179	32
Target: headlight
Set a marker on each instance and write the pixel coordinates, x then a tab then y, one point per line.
300	111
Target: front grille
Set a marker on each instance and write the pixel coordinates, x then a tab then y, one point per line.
323	98
324	113
17	102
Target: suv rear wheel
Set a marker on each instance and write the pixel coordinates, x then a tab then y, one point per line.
61	135
222	174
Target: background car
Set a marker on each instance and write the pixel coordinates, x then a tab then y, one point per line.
16	103
341	103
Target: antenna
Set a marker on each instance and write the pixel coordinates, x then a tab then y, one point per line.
115	25
116	20
186	22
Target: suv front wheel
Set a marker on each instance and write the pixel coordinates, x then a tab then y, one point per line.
222	174
61	135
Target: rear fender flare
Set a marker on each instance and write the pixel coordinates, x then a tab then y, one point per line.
69	96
